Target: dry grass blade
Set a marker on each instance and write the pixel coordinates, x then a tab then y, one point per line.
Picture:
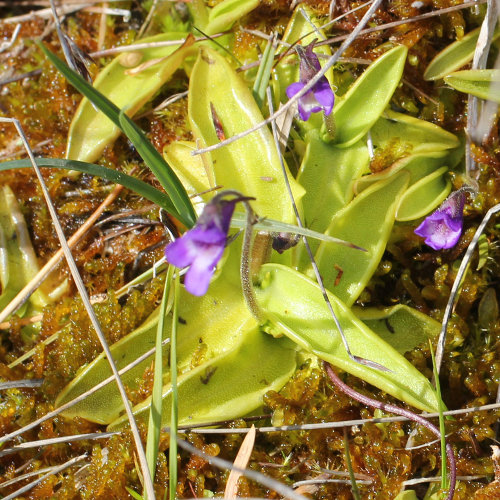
344	423
54	470
18	384
63	439
241	462
26	292
22	477
45	13
255	476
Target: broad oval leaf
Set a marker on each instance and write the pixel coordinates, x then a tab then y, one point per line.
250	165
228	386
455	55
296	308
417	165
411	134
424	196
365	101
224	14
328	174
91	131
366	221
213	324
402	327
483	83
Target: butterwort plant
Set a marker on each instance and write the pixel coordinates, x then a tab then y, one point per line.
443	228
201	248
320	97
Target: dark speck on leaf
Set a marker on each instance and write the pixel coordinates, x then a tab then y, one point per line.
182	321
389	326
209	371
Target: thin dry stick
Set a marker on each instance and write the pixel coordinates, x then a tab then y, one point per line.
241	461
456	284
291	102
148	45
148	483
36	281
398	411
45	13
26	476
53	472
21	384
255	476
394	24
317	274
148	19
102	27
62	439
79	398
338	425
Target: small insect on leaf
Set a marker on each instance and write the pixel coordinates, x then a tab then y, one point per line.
219	130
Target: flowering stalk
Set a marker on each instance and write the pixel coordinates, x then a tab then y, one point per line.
201	248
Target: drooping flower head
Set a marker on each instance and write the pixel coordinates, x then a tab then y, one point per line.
202	247
443	228
320	97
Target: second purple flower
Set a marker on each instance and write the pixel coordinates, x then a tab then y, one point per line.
443	228
320	97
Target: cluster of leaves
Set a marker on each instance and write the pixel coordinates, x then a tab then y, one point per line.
218	338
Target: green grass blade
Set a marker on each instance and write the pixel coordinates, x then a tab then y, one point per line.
136	185
152	158
442	428
352	477
172	456
154	424
264	72
160	168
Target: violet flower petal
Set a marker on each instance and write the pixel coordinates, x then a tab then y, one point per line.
324	95
199	274
294	88
443	228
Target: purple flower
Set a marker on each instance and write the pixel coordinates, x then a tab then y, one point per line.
320	97
443	228
202	247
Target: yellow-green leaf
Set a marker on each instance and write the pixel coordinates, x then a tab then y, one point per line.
365	101
296	308
224	14
214	324
454	56
483	83
91	131
366	221
230	385
250	165
402	327
424	196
